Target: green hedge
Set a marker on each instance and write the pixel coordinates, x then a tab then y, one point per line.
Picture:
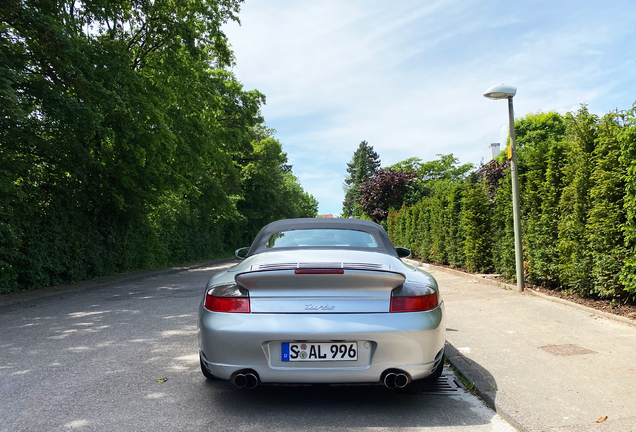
577	176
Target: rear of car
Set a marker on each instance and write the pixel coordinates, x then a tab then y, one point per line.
340	312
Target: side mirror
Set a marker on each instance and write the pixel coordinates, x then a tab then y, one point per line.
403	252
241	253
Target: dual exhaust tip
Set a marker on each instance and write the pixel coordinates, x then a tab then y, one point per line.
396	379
245	379
392	379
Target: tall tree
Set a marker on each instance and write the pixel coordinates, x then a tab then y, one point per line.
540	138
575	202
477	224
123	138
627	138
434	174
384	191
271	191
606	217
364	164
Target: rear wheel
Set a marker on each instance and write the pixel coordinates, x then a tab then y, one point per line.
205	371
437	372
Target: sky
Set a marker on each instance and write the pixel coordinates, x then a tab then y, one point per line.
409	76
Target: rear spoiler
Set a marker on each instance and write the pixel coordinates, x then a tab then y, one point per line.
315	266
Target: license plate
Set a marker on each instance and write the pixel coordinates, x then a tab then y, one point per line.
323	351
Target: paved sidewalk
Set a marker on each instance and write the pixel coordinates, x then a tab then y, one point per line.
542	365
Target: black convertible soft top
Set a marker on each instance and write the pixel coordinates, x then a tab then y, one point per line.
384	243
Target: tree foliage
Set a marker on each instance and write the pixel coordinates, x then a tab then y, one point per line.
384	190
626	136
542	156
606	217
124	141
271	191
477	224
578	208
364	163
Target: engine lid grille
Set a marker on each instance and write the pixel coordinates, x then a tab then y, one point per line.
324	265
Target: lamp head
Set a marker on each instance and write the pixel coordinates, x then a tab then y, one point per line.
501	91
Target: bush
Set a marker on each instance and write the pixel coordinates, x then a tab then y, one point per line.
577	178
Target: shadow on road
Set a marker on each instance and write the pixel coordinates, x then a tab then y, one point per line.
333	407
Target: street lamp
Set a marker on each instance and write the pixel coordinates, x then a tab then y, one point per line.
508	92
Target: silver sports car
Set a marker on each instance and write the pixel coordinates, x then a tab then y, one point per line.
322	301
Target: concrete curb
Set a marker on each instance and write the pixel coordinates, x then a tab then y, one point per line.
529	290
503	405
21	299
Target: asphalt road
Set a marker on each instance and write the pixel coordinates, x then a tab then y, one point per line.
123	356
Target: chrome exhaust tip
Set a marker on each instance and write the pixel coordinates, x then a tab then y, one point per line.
396	378
245	378
251	381
389	380
402	380
239	381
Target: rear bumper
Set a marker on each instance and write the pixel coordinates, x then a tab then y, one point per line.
406	341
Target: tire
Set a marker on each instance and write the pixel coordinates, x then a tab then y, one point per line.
437	372
205	371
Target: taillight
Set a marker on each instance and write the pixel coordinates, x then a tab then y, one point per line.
411	297
227	298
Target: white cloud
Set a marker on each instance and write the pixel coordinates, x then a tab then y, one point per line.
408	76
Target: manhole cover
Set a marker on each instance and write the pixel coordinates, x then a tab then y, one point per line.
566	350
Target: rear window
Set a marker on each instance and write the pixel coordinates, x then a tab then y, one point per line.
321	238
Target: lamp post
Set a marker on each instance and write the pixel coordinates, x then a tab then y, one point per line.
508	92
